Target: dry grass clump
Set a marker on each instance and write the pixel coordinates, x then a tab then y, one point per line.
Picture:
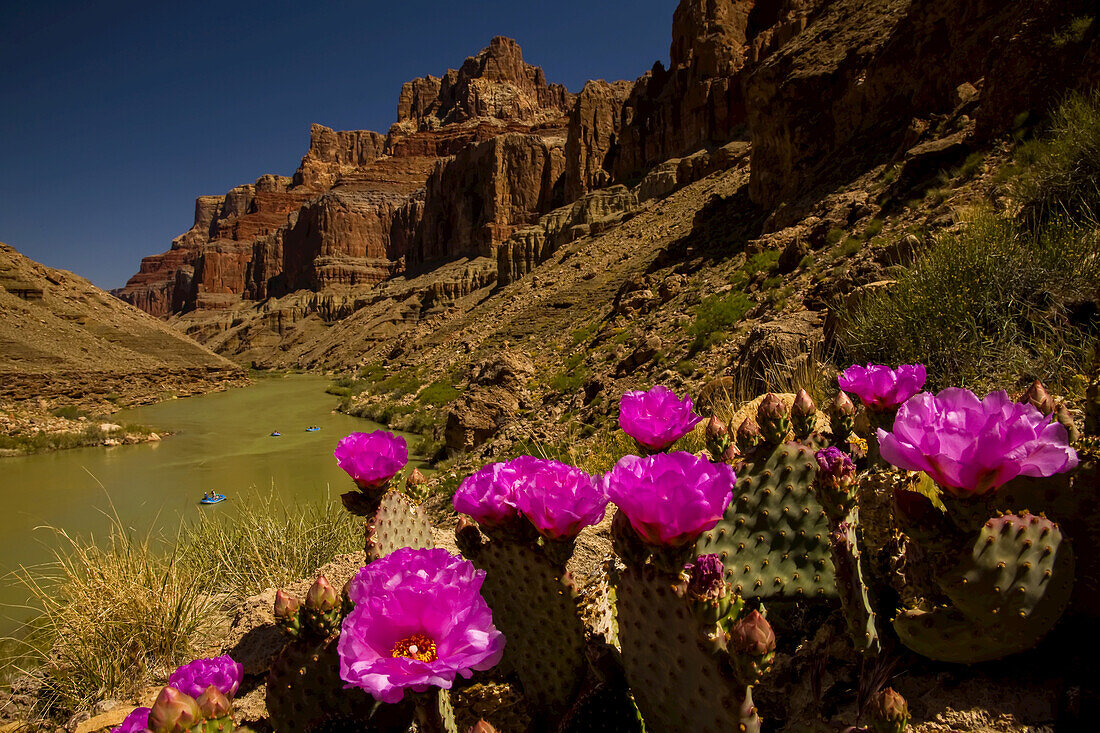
114	614
120	612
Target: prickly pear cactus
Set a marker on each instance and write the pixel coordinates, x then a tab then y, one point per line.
305	693
855	595
1004	594
680	678
535	605
774	537
398	522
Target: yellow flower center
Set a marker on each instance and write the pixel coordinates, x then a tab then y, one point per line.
417	646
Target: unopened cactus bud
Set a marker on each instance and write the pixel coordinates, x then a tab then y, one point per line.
751	645
748	434
1063	416
322	596
887	712
836	482
286	605
173	712
1038	397
416	485
482	726
842	418
286	613
773	418
803	415
718	438
213	704
730	454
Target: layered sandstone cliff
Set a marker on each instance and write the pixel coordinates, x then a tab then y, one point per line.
473	155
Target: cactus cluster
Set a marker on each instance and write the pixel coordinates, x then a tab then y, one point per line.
672	632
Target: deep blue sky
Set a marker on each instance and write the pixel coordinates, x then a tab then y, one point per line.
114	115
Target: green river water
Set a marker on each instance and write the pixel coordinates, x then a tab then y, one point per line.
219	441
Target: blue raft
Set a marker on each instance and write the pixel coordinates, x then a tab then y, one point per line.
212	499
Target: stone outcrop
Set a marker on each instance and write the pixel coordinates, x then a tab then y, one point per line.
333	153
698	102
495	83
478	198
592	146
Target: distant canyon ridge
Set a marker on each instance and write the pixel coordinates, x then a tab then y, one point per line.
491	167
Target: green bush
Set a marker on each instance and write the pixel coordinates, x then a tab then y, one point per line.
986	303
765	261
438	393
1061	171
714	315
69	412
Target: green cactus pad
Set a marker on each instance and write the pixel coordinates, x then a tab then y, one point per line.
855	596
1005	594
679	681
305	693
536	609
397	523
774	537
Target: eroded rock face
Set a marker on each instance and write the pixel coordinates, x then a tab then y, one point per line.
457	173
697	102
844	91
592	145
477	199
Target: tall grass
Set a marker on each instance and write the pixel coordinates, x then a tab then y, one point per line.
119	612
268	544
991	303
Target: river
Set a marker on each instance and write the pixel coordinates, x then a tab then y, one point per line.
219	441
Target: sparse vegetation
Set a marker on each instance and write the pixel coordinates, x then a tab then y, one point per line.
438	393
714	315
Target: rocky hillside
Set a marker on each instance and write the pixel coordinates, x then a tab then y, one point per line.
62	340
704	220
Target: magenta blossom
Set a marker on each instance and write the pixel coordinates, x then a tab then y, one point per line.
881	387
135	722
657	418
971	447
371	459
835	462
557	498
670	499
419	620
488	495
194	677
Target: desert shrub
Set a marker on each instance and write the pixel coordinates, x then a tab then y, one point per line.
438	393
715	314
984	304
1060	174
765	261
69	412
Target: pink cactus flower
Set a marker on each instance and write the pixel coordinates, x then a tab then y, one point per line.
670	499
971	447
371	459
135	722
559	499
657	418
489	495
881	387
419	621
194	677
